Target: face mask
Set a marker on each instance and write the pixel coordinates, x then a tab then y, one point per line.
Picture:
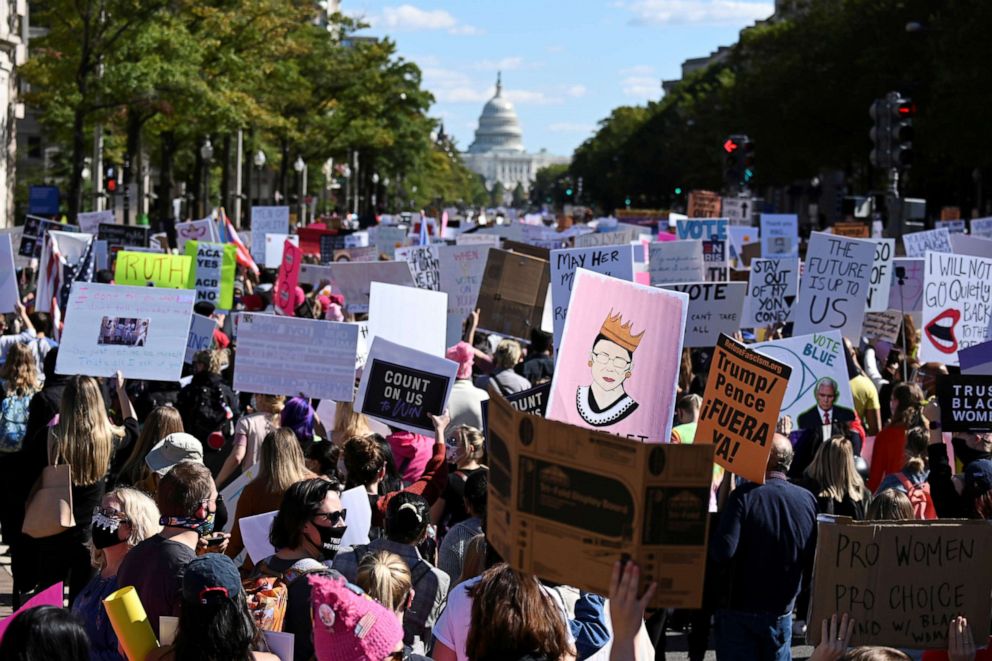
330	538
454	454
104	531
203	527
220	516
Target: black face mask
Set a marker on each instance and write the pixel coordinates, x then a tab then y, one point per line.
104	531
330	539
220	516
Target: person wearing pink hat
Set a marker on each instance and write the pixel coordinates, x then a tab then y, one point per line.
465	402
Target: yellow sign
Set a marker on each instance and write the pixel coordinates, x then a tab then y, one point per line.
141	268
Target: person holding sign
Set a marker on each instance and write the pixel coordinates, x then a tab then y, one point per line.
611	360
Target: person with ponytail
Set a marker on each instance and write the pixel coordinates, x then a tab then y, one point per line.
162	421
385	577
466	450
887	454
249	433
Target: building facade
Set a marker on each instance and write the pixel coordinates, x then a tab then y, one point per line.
13	53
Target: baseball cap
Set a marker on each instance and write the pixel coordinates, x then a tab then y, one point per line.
348	624
172	449
211	576
978	476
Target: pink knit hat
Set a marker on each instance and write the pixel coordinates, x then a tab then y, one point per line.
463	354
348	624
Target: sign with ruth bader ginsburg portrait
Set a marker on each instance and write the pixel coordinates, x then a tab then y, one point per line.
619	359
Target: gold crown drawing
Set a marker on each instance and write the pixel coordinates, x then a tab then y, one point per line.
616	331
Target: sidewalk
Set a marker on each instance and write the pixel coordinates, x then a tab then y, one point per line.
6	583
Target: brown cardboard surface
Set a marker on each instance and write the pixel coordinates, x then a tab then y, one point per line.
539	252
512	295
565	503
854	230
750	251
902	581
704	204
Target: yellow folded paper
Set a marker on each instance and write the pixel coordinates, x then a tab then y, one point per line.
130	623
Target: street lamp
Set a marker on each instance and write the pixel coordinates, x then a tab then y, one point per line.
375	189
259	160
207	154
301	169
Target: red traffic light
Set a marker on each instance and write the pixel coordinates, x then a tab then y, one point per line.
906	109
111	185
730	146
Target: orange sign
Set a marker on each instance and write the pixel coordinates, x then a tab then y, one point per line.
853	230
704	204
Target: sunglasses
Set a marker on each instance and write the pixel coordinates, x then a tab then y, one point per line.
108	513
332	517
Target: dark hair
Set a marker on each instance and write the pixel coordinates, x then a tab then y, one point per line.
45	632
600	336
104	276
300	502
407	518
476	488
217	630
540	341
327	455
393	481
42	322
183	488
363	459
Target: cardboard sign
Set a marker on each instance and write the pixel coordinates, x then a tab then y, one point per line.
462	268
415	318
141	268
274	244
811	358
834	286
965	402
89	221
771	292
212	273
386	239
288	278
715	258
956	226
974	246
204	229
623	382
362	254
906	292
779	235
882	325
403	387
704	204
614	261
622	235
981	227
950	213
918	243
739	236
881	276
513	292
425	264
676	261
8	276
957	299
267	220
714	308
743	396
477	238
853	230
201	336
738	210
289	355
142	331
902	581
702	229
354	279
608	496
533	400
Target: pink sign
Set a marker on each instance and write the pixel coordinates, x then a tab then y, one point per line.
48	597
289	277
617	368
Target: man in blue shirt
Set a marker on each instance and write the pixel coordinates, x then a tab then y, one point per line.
767	532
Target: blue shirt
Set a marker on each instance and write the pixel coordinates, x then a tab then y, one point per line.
88	606
768	532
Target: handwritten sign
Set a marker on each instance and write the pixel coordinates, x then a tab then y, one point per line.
779	235
957	300
834	285
289	355
771	292
462	267
267	220
738	210
704	204
140	268
354	279
981	227
853	230
741	402
425	264
714	309
387	239
201	336
212	274
881	276
675	261
883	325
975	246
918	243
89	221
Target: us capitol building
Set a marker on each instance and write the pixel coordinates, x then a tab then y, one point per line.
497	153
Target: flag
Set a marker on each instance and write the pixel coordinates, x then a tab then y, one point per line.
444	222
424	238
227	234
66	257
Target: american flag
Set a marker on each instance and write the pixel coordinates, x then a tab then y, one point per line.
230	235
66	258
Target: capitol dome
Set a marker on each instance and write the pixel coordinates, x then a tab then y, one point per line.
499	129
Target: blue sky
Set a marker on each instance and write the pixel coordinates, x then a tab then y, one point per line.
566	63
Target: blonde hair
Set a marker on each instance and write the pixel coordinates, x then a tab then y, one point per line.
84	438
271	404
507	354
348	422
833	470
213	360
470	440
142	514
20	372
281	462
475	558
162	421
385	577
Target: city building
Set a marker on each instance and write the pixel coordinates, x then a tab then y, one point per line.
498	153
13	53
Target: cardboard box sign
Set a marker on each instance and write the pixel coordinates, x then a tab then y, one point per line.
511	298
566	502
902	581
533	400
965	402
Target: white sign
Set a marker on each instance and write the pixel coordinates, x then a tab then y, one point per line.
981	227
354	279
614	261
676	261
356	501
267	220
386	239
883	325
141	331
714	308
291	356
274	246
771	292
918	243
739	236
957	300
415	318
462	267
201	336
738	210
626	234
476	238
208	263
89	221
779	235
255	533
204	229
8	275
973	246
833	288
881	276
425	264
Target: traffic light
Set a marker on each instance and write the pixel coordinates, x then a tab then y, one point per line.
892	132
748	162
110	178
678	190
738	159
568	192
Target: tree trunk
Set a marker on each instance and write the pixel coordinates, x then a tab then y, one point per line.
166	222
133	161
197	182
284	169
225	176
78	161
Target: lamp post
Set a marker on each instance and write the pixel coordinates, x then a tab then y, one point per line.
300	168
375	189
207	154
259	160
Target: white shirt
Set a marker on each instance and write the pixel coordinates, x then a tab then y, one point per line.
827	429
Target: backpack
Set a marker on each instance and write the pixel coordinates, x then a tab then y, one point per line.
919	498
13	422
268	591
421	569
208	411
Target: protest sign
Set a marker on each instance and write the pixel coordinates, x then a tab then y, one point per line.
622	235
267	220
702	229
676	261
201	336
881	276
615	261
141	268
289	355
902	582
255	534
738	210
771	292
906	292
212	272
331	243
703	204
882	325
204	229
740	408
981	227
976	359
386	239
50	596
974	246
413	317
461	272
852	230
739	236
609	497
288	278
950	213
89	221
477	238
533	400
119	236
513	293
779	235
714	308
956	226
66	258
965	402
812	358
357	254
33	235
619	358
715	259
425	264
956	303
273	248
834	285
918	243
354	279
8	275
404	387
141	331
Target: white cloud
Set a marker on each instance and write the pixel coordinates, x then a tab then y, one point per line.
571	127
640	82
679	12
414	19
575	91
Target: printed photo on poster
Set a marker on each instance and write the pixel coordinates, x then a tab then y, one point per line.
128	332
